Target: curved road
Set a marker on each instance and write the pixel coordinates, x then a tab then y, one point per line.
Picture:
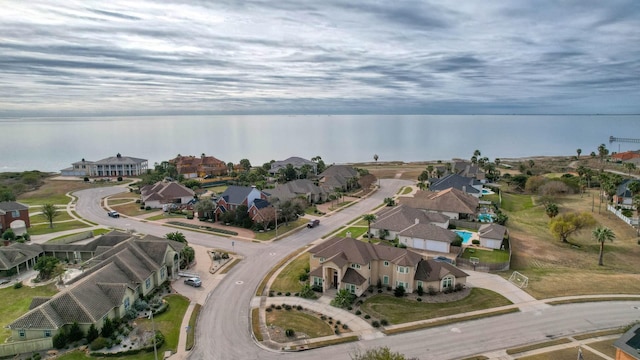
223	330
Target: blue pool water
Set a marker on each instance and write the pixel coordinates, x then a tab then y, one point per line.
465	235
487	192
485	218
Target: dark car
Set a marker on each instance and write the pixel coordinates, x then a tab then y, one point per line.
444	259
194	281
313	223
113	214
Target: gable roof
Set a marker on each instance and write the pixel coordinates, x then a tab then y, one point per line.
235	194
431	270
623	188
337	176
100	288
629	342
450	200
459	182
627	155
17	253
296	162
119	159
401	217
11	206
429	232
165	192
347	250
492	231
295	188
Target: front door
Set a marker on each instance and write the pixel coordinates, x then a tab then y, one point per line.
335	280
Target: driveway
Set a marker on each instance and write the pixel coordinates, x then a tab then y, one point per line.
505	288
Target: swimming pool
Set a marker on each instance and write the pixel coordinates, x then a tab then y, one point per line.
465	235
487	192
485	218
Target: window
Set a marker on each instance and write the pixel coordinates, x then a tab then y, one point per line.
127	303
162	273
419	284
385	280
403	269
403	284
317	281
355	266
148	283
351	288
15	214
321	259
47	333
22	333
447	282
386	263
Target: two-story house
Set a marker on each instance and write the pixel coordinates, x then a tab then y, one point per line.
346	263
11	211
235	196
451	202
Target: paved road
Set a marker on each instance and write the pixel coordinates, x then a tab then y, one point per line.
223	330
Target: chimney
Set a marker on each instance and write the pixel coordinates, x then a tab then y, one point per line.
417	221
464	188
348	234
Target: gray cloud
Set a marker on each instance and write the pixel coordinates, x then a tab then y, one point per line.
295	56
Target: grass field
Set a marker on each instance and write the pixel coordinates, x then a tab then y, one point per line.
487	256
287	280
63	226
282	228
300	322
61	215
356	231
53	191
19	304
400	310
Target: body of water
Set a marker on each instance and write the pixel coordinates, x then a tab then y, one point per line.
51	144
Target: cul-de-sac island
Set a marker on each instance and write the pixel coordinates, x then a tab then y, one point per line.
195	257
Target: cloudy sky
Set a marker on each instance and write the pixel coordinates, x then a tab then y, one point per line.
330	56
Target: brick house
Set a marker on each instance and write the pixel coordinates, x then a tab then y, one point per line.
11	211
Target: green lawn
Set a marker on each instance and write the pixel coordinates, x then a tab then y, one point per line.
400	310
406	190
487	256
270	235
56	199
166	216
287	280
19	304
64	226
516	202
299	322
356	231
61	239
61	215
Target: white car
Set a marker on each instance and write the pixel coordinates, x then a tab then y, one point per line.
113	214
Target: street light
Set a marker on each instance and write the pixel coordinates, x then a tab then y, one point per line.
153	328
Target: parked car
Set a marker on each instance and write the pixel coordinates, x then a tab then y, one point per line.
4	281
193	281
113	214
313	223
444	259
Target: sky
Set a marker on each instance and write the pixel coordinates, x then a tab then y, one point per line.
79	58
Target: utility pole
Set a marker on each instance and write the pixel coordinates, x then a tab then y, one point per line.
153	328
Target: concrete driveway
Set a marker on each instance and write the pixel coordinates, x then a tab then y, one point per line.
505	288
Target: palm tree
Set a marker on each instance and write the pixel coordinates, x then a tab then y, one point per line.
602	234
49	212
602	151
474	159
579	151
531	163
375	157
476	153
369	218
497	161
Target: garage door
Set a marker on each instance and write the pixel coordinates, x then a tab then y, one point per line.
438	246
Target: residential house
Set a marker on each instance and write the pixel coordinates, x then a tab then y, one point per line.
467	185
452	202
343	177
625	156
166	192
346	263
262	212
79	168
492	235
298	188
628	345
119	166
235	196
12	212
192	167
19	256
296	162
117	277
399	218
467	169
427	236
623	195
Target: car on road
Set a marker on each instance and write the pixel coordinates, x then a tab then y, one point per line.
113	214
193	281
313	223
4	281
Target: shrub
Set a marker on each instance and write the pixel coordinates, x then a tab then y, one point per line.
370	289
99	343
379	291
379	284
60	340
268	309
75	333
303	277
107	328
375	323
358	312
420	290
147	207
336	331
345	326
287	294
399	291
475	242
431	290
419	299
367	316
343	299
92	333
17	285
459	287
289	332
119	178
388	288
299	307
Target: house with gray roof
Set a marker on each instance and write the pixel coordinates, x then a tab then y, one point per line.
428	237
298	188
624	195
450	202
13	212
112	166
165	192
467	185
628	345
235	196
114	279
467	169
79	168
346	263
492	235
342	177
396	219
296	162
